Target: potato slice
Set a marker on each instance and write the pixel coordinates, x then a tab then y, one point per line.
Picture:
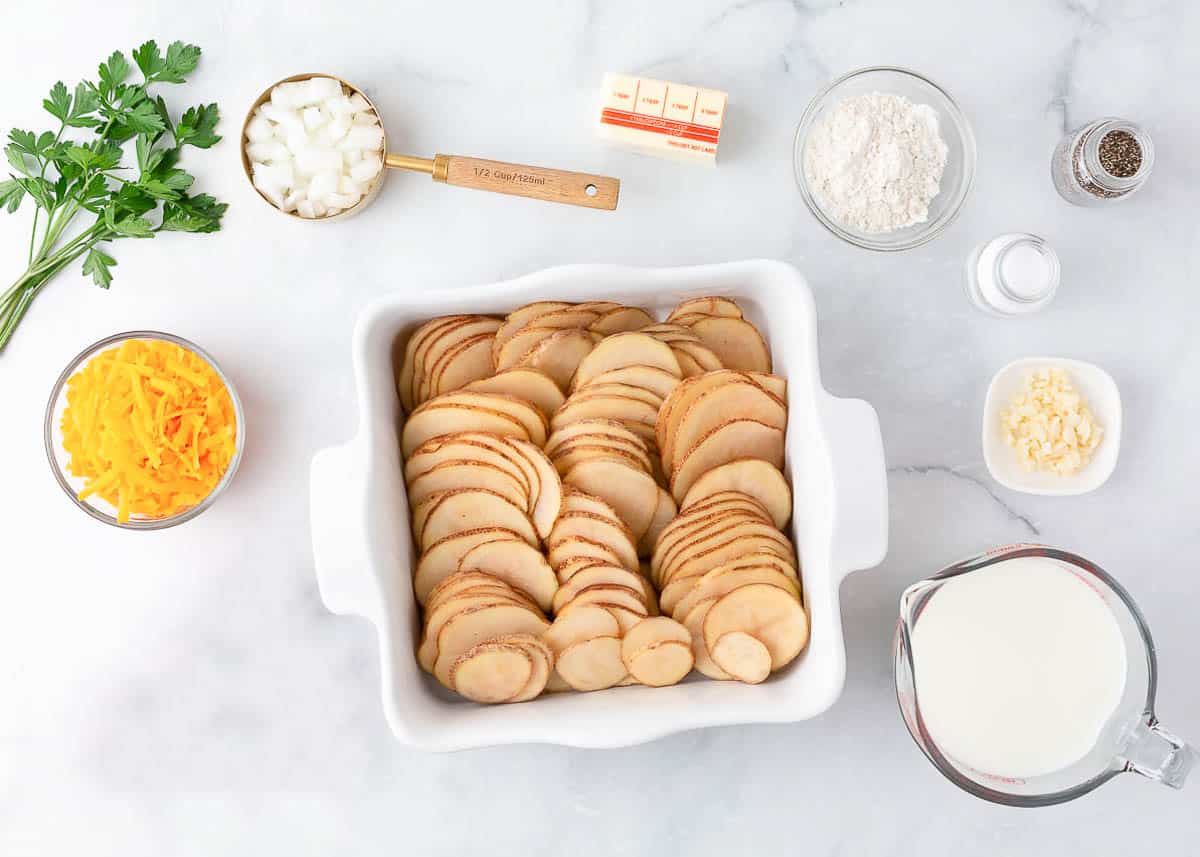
708	305
625	349
446	342
491	672
740	398
524	382
583	623
575	564
773	384
465	446
661	664
664	513
700	354
448	512
723	500
573	453
437	616
680	595
682	536
688	364
636	415
632	492
430	421
520	317
516	563
469	361
592	428
593	664
575	547
592	389
621	319
715	547
658	381
611	574
742	655
560	354
734	439
594	529
522	410
418	336
703	662
736	342
474	583
656	629
687	392
768	613
427	341
547	505
523	342
478	624
441	559
609	594
543	665
753	476
457	474
575	500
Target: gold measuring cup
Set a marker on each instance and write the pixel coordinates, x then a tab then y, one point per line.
548	185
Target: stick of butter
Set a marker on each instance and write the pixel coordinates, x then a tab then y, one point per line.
670	120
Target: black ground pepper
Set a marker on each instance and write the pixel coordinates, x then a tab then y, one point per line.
1120	154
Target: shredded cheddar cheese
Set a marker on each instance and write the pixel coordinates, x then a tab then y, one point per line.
149	427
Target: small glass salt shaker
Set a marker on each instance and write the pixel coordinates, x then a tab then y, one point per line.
1013	274
1104	161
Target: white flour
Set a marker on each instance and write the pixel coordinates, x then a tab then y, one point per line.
874	162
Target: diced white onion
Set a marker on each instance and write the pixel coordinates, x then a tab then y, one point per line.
313	148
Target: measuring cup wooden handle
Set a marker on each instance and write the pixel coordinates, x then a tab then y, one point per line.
564	186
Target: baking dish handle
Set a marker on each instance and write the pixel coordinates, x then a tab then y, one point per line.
860	537
337	504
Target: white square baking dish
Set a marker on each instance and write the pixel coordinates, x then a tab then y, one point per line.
363	548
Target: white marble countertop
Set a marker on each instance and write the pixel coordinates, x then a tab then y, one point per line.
186	692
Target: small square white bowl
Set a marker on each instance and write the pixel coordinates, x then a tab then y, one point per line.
1100	394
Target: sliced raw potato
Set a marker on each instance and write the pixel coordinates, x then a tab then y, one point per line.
739	438
407	364
736	342
524	382
661	664
583	623
741	398
632	492
516	563
516	349
701	354
560	353
751	476
741	655
441	560
520	317
656	629
680	595
445	513
608	594
721	500
543	665
625	349
573	453
621	319
467	362
445	344
455	474
613	429
433	336
547	506
465	446
598	307
491	671
694	622
595	529
768	613
593	664
688	364
636	415
626	618
658	381
718	547
579	315
438	615
592	389
435	420
459	581
612	574
773	384
689	318
575	547
709	305
664	513
575	564
720	528
676	405
522	410
575	500
686	530
478	624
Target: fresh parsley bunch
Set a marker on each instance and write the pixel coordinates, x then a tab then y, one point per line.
82	194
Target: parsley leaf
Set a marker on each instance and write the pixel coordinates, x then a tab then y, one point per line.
58	104
193	214
11	194
112	73
196	128
180	60
99	264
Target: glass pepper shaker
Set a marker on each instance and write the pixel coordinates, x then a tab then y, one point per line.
1105	160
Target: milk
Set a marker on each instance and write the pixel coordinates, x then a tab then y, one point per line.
1018	667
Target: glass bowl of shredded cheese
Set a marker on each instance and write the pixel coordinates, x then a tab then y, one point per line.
143	430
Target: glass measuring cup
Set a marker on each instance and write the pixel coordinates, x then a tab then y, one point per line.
1131	741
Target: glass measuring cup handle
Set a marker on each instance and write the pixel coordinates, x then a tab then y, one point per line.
1156	753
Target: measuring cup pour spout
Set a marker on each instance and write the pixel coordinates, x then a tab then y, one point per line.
1155	753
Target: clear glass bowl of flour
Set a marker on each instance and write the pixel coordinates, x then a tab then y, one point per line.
955	131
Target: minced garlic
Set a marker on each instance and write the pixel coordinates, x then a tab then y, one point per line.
1049	426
